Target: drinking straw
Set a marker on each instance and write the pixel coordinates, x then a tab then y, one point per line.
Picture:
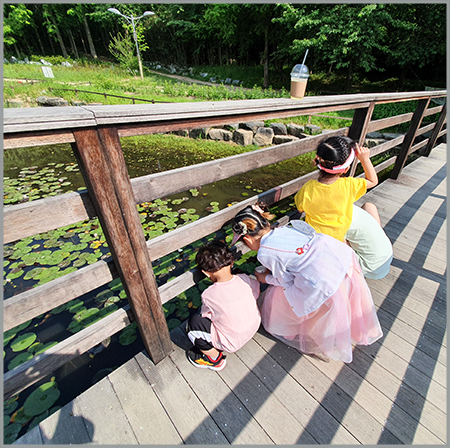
304	59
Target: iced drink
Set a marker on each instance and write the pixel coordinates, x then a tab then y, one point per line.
299	79
298	88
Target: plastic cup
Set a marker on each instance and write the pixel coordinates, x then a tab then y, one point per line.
299	80
260	269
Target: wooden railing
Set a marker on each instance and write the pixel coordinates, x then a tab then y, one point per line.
94	133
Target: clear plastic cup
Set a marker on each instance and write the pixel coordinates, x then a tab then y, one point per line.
299	79
260	269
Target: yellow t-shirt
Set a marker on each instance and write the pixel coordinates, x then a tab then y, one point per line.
329	208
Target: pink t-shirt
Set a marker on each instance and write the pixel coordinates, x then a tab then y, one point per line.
231	307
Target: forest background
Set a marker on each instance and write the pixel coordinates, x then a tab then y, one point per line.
346	43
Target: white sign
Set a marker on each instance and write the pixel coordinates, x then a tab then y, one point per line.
47	72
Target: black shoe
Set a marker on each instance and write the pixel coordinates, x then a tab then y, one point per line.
199	359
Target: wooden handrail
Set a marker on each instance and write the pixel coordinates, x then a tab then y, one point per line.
104	125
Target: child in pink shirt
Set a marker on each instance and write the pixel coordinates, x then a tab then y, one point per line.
229	316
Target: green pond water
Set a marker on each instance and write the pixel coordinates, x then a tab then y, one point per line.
33	173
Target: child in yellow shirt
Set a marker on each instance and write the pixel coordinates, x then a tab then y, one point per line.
328	201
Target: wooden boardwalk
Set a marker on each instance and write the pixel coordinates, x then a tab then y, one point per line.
394	391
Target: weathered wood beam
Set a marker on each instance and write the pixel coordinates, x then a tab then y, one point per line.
358	129
101	162
410	136
437	129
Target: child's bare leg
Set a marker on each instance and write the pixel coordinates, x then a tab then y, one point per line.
372	209
213	353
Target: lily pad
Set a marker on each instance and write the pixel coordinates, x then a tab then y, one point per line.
6	420
127	338
102	296
23	342
43	398
10	406
173	323
11	432
42	347
19	359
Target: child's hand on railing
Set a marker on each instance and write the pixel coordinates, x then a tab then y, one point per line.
362	153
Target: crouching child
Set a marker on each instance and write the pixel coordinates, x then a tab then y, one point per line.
229	316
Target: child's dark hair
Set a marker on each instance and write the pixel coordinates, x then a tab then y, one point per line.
213	256
252	219
334	151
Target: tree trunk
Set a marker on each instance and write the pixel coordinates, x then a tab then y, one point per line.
73	45
89	38
51	44
350	75
84	45
40	42
17	50
266	59
58	35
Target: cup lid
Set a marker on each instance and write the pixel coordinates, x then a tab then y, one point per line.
300	71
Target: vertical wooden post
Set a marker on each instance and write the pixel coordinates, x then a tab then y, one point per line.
358	129
101	161
437	128
409	137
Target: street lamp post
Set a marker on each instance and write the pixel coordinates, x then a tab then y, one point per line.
131	20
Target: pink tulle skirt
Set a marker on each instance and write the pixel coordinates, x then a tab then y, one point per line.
347	317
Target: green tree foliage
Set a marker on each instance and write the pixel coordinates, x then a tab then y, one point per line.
343	36
352	39
123	49
15	21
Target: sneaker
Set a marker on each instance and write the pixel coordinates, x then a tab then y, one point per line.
199	359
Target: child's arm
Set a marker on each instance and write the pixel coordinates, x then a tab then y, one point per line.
363	155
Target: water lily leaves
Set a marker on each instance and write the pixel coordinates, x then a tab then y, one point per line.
21	327
20	417
10	405
86	314
15	273
6	420
173	323
112	299
23	342
128	336
38	419
74	305
42	347
102	296
11	432
115	284
19	359
78	263
123	294
41	399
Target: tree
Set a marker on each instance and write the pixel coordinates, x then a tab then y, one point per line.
16	20
417	37
81	12
346	36
54	15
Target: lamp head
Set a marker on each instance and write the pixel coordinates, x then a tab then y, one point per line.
114	10
148	13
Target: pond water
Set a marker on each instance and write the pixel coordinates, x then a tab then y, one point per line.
32	173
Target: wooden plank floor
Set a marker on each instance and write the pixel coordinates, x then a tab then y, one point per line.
394	391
